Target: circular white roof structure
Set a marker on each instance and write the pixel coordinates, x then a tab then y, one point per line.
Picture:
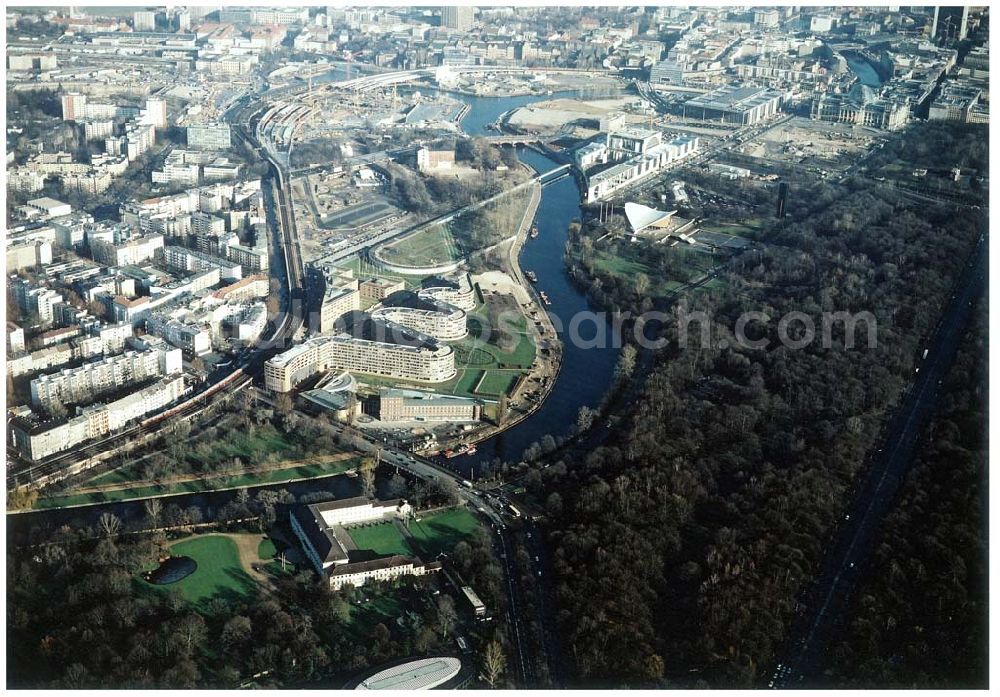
422	674
641	217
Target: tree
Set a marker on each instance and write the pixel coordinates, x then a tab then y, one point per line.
367	471
191	632
494	663
153	510
283	403
397	487
109	524
446	615
626	361
235	632
585	418
58	410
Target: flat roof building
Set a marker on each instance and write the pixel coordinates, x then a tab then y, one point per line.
742	106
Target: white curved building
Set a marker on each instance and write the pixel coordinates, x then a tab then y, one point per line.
422	674
445	324
641	217
368	345
458	292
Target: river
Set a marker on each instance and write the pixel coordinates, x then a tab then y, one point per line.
587	372
863	69
585	376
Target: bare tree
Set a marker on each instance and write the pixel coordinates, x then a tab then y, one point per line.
367	472
283	404
109	524
494	663
446	614
153	509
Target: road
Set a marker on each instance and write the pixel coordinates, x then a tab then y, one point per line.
490	506
828	600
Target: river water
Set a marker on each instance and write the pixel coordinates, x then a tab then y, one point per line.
863	69
587	370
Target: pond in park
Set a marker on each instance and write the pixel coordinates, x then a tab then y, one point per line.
171	570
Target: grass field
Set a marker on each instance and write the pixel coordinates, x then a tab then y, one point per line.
266	549
440	532
219	574
213	483
434	245
362	269
433	534
496	383
383	539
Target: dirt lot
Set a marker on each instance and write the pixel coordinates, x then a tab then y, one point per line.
802	140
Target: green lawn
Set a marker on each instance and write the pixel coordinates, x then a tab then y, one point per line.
496	383
266	549
440	532
434	245
472	351
433	534
219	574
383	539
316	470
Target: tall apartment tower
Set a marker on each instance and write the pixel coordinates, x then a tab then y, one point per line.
144	20
458	17
156	112
74	106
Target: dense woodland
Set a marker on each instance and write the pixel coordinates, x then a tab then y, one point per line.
77	617
919	619
684	542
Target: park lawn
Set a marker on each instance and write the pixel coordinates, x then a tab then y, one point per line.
659	285
473	352
263	442
440	532
496	383
311	471
383	539
266	549
433	245
363	269
240	444
219	573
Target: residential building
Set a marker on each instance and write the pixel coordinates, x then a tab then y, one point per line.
36	439
367	346
91	380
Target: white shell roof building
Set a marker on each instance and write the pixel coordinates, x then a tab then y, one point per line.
422	674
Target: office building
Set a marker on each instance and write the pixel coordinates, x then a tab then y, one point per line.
742	106
319	528
209	136
458	17
862	106
416	405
